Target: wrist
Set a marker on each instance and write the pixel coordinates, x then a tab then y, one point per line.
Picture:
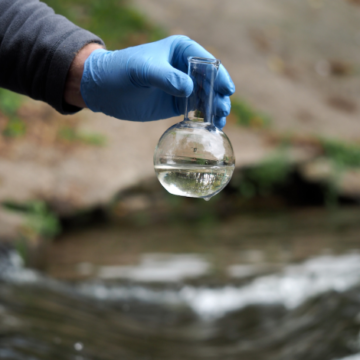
72	94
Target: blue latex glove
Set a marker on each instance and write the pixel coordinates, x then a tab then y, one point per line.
149	82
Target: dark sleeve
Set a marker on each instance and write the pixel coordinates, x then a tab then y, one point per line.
36	50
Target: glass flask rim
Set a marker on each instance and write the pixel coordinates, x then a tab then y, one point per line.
203	60
186	123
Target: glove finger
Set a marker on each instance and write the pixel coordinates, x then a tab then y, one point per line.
223	84
179	105
170	80
186	48
219	122
222	105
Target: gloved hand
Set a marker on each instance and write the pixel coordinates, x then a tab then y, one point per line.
149	82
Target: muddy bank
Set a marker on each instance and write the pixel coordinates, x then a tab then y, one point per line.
276	184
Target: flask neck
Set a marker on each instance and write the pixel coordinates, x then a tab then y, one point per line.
199	105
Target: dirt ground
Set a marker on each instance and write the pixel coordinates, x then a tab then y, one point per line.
297	61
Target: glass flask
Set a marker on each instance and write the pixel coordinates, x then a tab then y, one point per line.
193	157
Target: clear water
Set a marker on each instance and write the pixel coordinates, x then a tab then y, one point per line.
194	180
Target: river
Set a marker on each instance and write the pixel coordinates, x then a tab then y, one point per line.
267	286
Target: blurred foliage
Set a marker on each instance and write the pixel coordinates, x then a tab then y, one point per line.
73	135
9	102
262	178
247	116
344	155
15	127
114	21
41	221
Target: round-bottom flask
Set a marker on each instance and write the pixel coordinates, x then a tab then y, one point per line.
194	158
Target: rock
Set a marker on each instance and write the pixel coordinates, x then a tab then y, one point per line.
349	184
318	170
10	224
322	170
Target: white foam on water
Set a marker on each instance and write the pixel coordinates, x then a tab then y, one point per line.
140	293
292	287
352	357
15	272
159	268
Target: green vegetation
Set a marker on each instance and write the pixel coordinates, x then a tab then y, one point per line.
73	135
41	221
343	155
15	127
113	20
247	116
261	179
9	102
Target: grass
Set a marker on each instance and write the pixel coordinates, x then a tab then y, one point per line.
262	178
344	155
247	116
114	21
74	136
40	220
40	223
14	128
9	102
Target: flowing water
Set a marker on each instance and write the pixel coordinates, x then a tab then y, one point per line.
278	286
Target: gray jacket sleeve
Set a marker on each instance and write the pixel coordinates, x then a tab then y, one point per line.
36	50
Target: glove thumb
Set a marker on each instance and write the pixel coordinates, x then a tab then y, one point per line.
171	80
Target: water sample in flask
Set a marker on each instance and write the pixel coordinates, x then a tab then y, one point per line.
193	157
